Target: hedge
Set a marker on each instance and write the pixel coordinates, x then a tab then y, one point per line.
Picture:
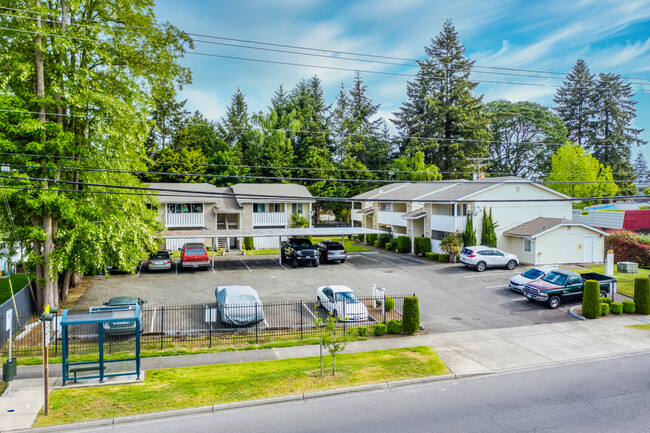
421	245
443	258
642	295
380	329
249	243
617	307
605	301
390	303
604	309
629	307
376	244
363	331
385	238
387	245
431	256
591	300
370	239
393	244
403	244
394	327
411	317
629	247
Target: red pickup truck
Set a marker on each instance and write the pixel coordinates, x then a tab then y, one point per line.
194	256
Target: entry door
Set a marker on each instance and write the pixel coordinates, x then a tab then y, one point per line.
588	249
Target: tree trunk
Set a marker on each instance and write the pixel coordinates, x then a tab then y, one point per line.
65	285
40	80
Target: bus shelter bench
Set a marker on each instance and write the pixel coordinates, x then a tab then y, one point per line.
76	370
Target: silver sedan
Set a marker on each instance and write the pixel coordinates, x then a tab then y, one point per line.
160	261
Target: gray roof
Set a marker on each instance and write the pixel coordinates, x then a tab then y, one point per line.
416	214
223	233
381	190
540	225
271	192
187	192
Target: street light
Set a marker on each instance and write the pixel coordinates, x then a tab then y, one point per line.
46	318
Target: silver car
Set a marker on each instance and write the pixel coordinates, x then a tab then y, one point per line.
160	261
482	257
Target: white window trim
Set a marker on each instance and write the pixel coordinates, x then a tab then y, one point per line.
530	245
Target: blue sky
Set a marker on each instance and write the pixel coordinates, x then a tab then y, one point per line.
611	36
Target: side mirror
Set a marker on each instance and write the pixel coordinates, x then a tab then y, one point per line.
105	303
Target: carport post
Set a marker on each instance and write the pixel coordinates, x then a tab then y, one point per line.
213	242
343	241
280	243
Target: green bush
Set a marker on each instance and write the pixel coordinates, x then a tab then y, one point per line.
411	317
380	329
604	309
394	326
605	301
444	258
617	307
403	244
629	307
591	300
431	256
390	303
421	246
249	243
393	244
370	239
385	238
642	295
363	331
376	244
387	245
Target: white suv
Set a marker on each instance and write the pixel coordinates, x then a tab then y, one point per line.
482	257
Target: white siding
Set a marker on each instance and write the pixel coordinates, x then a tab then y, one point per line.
564	245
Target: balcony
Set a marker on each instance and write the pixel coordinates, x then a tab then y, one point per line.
447	223
184	220
391	218
269	219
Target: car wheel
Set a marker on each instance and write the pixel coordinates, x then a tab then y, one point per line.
314	263
343	261
603	294
554	302
335	314
294	263
480	266
319	303
321	259
512	264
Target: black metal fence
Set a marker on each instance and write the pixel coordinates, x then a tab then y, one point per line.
198	326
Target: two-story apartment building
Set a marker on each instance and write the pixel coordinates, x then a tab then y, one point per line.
433	209
196	206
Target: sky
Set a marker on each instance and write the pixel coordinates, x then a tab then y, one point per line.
549	36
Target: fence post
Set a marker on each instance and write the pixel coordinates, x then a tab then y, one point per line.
256	325
162	321
56	334
301	326
210	323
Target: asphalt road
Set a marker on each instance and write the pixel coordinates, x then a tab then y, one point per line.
452	297
601	396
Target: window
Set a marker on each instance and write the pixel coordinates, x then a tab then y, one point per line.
437	235
274	207
259	207
528	246
388	207
296	208
184	208
452	209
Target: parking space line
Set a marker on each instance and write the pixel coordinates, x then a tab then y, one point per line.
176	263
280	263
482	275
494	287
369	258
213	271
138	274
249	269
350	264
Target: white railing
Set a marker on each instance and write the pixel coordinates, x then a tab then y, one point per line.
184	220
269	219
447	223
392	218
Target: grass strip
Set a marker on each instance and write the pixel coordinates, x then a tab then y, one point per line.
18	281
644	327
180	388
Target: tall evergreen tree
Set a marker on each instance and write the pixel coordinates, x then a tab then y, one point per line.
169	115
236	124
469	235
441	116
575	103
641	167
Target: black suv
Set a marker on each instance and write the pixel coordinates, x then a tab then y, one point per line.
299	250
330	250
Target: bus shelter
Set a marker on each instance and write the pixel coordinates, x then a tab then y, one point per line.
99	324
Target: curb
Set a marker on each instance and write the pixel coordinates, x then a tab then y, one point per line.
413	259
576	315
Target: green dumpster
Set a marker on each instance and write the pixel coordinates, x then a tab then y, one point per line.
9	370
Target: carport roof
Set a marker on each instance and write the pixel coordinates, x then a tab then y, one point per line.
267	233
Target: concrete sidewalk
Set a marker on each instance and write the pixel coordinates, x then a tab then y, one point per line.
465	353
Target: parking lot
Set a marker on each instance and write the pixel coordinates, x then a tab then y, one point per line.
452	297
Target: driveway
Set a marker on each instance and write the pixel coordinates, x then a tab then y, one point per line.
452	297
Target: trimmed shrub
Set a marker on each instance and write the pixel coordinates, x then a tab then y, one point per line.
604	309
629	307
617	307
249	243
443	258
380	329
370	239
411	317
642	295
385	238
421	246
394	327
605	301
376	244
431	256
403	244
387	245
390	303
393	244
363	331
591	300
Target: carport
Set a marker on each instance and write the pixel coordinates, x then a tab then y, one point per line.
266	233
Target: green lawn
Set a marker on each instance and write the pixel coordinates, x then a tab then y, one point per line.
349	246
180	388
18	281
625	282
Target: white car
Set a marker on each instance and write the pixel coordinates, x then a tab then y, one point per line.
518	282
482	257
342	302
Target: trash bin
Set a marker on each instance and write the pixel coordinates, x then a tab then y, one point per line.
9	370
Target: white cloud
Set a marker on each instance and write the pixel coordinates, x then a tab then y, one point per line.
206	101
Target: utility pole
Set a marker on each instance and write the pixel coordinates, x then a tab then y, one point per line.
479	166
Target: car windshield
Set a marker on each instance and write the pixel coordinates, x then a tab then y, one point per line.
334	247
195	251
160	255
556	278
533	274
348	297
302	243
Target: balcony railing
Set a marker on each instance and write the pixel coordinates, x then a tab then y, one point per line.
392	218
269	219
184	220
447	223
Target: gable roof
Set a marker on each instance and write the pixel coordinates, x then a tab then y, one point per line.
171	192
271	192
541	225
